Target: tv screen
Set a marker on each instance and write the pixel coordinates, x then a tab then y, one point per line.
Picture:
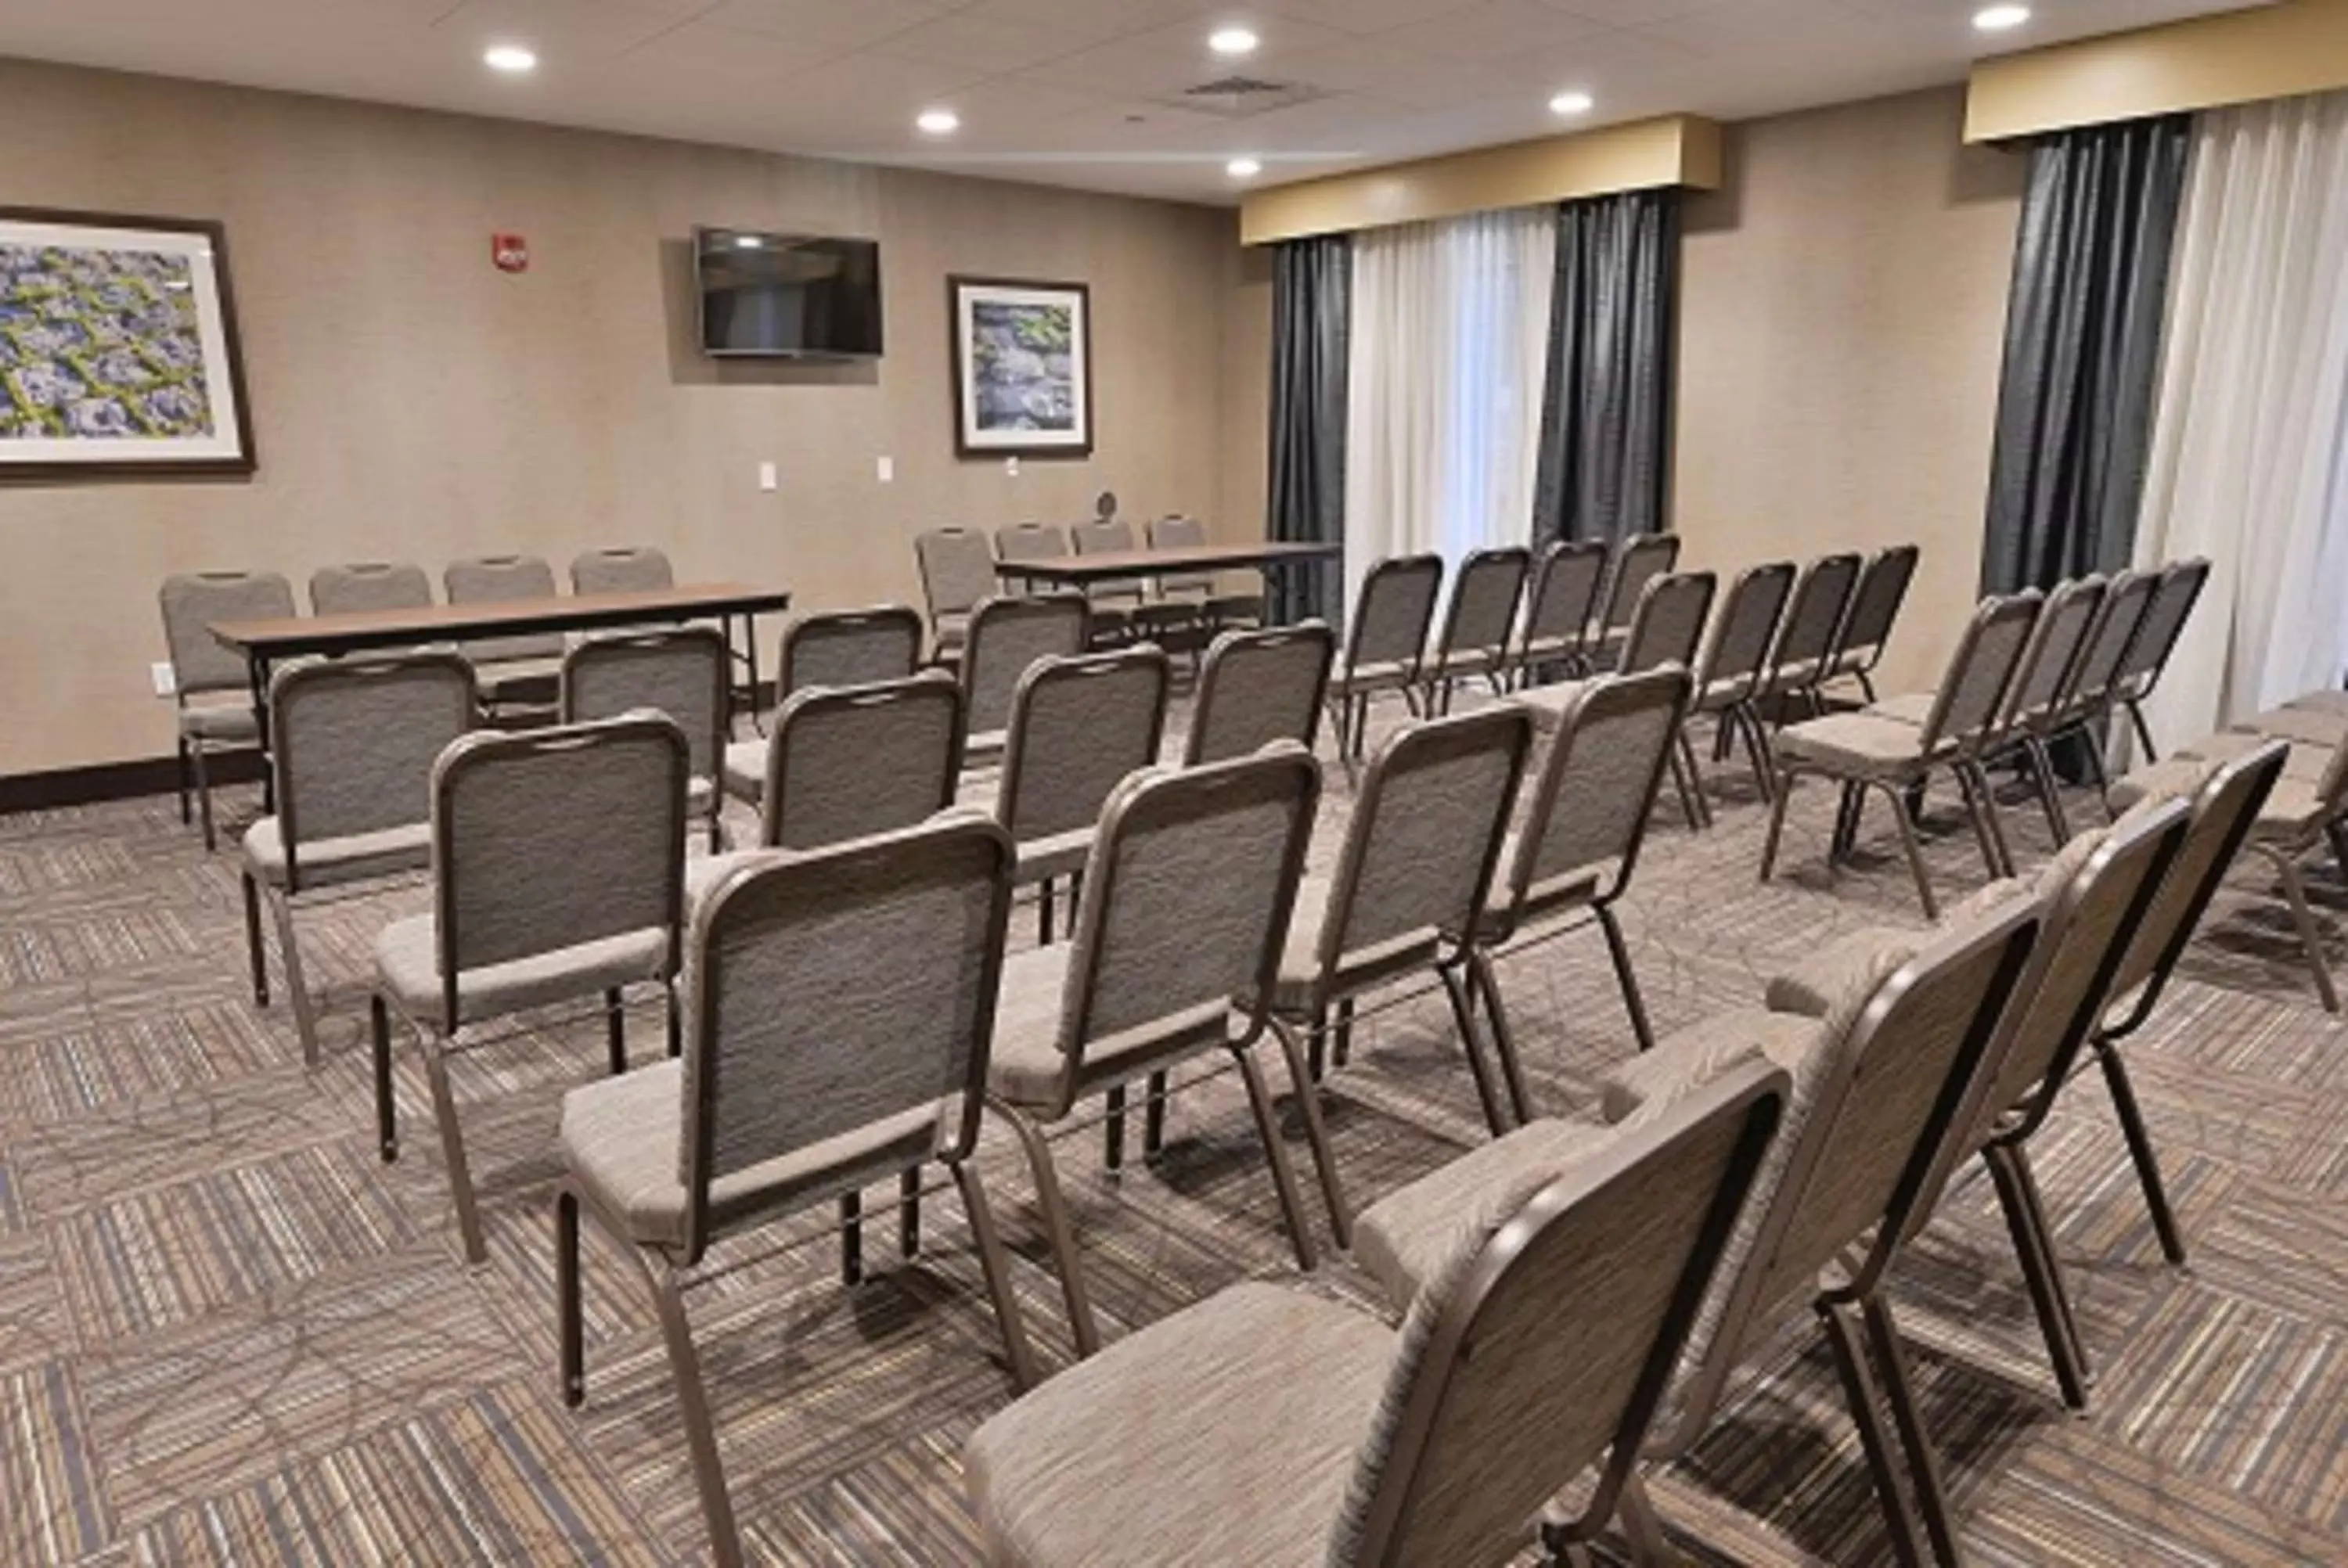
787	295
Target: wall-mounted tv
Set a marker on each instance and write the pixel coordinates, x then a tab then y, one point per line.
788	296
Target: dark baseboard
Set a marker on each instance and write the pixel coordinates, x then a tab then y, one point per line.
118	781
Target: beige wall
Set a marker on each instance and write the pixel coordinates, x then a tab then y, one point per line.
411	402
1841	317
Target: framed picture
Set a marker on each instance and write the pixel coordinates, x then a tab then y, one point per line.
117	348
1023	368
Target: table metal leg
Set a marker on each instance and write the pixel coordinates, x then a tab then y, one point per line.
257	667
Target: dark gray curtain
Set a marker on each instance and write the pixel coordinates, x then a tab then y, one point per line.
1311	287
1605	441
2082	351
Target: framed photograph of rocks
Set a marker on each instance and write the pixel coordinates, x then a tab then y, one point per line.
1023	368
117	348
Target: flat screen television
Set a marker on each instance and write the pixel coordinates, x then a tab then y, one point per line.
788	296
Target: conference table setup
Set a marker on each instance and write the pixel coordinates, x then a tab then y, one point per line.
1158	563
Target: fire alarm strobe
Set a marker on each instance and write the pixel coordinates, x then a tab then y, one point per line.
510	252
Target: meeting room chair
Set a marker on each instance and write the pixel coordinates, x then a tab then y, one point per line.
840	1009
1005	635
1667	627
1283	1429
1875	605
1478	623
681	673
852	762
203	666
957	567
1258	686
1636	561
558	864
1393	608
1145	613
849	647
2083	713
522	672
363	586
1221	610
2156	637
1807	637
1735	661
620	569
355	740
1560	604
1189	889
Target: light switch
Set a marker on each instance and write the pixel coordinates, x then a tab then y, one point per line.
1010	467
885	469
766	476
167	681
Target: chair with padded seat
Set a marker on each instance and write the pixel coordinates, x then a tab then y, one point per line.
2149	652
1478	624
1270	1427
1126	607
2083	712
558	862
363	586
355	742
622	569
522	673
1807	639
849	647
681	672
957	567
1667	627
1004	636
849	762
1875	604
1729	670
1189	884
202	666
1393	608
1635	562
1560	602
840	1009
1221	610
1258	685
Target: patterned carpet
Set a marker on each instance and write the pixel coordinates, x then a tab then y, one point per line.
229	1334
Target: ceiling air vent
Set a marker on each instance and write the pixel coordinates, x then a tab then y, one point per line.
1238	97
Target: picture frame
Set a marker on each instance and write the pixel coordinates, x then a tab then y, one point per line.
119	353
1023	367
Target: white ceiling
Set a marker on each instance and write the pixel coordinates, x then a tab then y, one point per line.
1072	92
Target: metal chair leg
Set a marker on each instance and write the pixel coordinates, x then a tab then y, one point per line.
2026	1186
909	1212
2309	935
2050	792
1044	914
1685	790
700	1430
1989	818
1907	841
452	1151
1686	748
673	1017
1113	1128
386	1112
1463	1017
1283	1174
1316	1133
186	782
616	1031
2143	729
851	1238
1859	1394
1641	1526
1757	750
1619	952
203	795
253	941
2030	1251
1057	1229
566	1297
996	1264
1923	1459
306	1018
1504	1040
1783	793
1981	811
2140	1151
1341	1041
1153	1118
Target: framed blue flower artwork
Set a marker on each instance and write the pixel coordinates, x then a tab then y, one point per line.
1023	368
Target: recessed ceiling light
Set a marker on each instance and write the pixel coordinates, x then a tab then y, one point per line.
2000	18
510	58
1244	168
1572	103
1232	41
748	241
938	122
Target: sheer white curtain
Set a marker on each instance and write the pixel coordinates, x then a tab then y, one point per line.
2249	457
1449	339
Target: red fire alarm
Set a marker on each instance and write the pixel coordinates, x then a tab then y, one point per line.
510	252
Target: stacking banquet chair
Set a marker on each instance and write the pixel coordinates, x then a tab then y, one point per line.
1808	637
1391	610
1258	687
202	666
1415	866
1478	624
1734	659
1220	610
1032	541
1273	1427
355	742
848	761
520	673
1872	750
1667	628
839	1004
1130	598
1874	609
957	571
558	864
1636	561
1006	635
620	569
836	648
1878	1089
1559	605
1610	738
1077	727
681	672
2083	714
2155	640
1189	889
369	585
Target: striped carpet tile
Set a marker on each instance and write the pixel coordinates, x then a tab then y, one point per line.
52	1507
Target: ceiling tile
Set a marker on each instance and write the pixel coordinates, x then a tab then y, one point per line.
993	44
826	24
1491	30
580	29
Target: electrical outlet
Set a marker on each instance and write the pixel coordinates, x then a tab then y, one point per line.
767	480
886	468
167	682
1010	467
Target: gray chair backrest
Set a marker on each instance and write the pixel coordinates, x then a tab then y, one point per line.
1006	635
552	839
1261	686
1813	624
2051	663
1031	542
837	989
1564	595
1179	533
1188	892
681	673
1392	611
1875	606
1425	837
849	647
1586	814
2125	598
1106	536
2164	623
2225	808
194	601
850	762
620	569
1668	625
1547	1345
369	585
957	570
1638	560
353	742
1482	614
504	580
1972	695
1744	633
1077	727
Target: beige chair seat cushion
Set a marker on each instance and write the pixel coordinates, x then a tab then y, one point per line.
2314	727
1224	1435
1055	854
1808	989
620	1139
1911	709
408	969
1856	746
745	770
2333	702
1386	676
2294	811
1298	992
1684	1062
1406	1237
951	628
226	721
1027	1065
2306	762
1570	889
986	745
387	852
